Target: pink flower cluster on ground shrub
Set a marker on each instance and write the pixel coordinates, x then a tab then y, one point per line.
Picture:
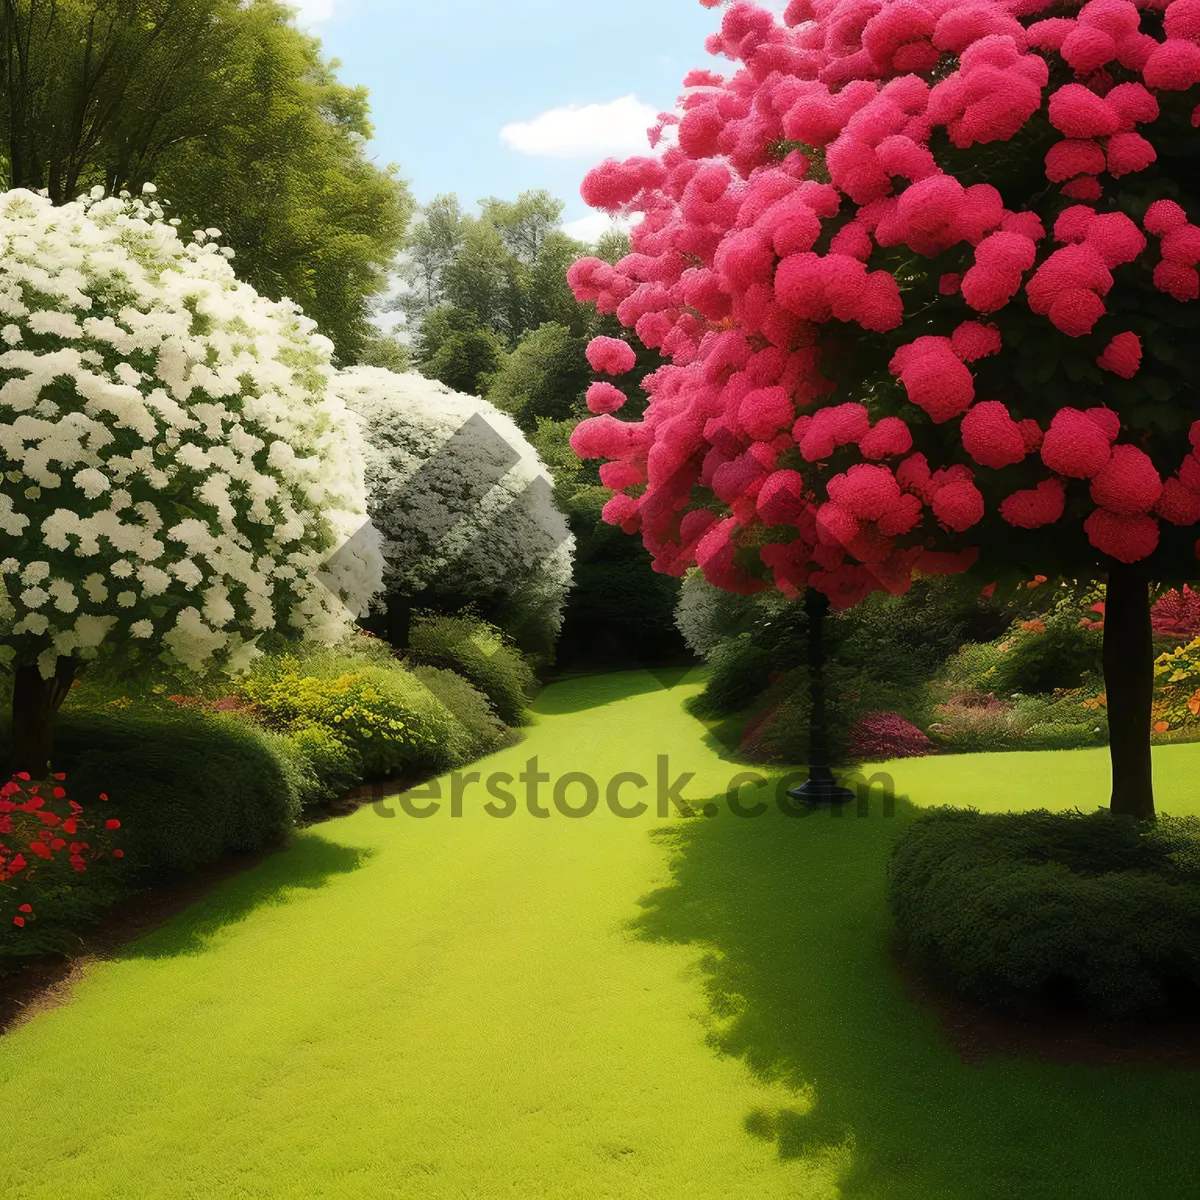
762	253
877	737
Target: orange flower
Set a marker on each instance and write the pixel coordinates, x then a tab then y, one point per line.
1194	703
1034	626
1161	726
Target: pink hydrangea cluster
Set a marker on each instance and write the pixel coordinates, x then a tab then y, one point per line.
786	217
1179	247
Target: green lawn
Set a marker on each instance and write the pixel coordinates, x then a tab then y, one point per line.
474	1007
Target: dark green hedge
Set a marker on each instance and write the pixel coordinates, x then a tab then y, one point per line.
187	785
1027	910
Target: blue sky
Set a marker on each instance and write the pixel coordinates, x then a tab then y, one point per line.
492	97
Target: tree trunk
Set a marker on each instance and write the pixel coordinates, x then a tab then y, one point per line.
821	787
35	704
1129	683
816	605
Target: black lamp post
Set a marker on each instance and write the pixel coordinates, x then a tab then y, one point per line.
821	787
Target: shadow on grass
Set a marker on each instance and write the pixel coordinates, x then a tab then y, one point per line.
790	917
581	692
309	861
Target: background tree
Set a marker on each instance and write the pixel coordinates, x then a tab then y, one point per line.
233	113
492	314
858	236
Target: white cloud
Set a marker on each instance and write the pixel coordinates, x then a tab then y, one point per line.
592	228
308	12
584	131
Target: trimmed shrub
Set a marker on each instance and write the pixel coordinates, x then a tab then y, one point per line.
480	653
739	671
877	737
188	785
479	730
1025	910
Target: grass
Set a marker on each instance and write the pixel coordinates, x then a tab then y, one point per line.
475	1007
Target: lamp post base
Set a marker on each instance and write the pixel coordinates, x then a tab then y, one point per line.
821	788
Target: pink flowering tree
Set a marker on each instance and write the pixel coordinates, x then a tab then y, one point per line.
924	277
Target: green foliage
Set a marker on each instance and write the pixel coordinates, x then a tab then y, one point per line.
188	785
1035	656
385	351
333	762
495	316
739	673
455	347
1030	909
469	707
708	616
385	714
234	114
889	648
882	653
1177	683
779	731
481	654
975	723
543	379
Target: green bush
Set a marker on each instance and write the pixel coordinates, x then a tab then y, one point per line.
885	650
1036	656
976	723
472	726
739	671
779	731
382	712
1025	910
335	765
188	785
707	615
481	654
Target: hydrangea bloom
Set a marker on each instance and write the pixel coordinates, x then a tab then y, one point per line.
178	474
462	500
848	320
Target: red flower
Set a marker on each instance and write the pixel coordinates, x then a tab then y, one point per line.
41	849
17	864
112	824
59	793
22	775
19	921
26	908
118	854
69	825
57	843
103	796
60	774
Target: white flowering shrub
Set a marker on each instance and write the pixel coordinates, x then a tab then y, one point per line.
177	471
462	501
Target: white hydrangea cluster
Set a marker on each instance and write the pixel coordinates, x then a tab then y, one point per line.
176	469
461	499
